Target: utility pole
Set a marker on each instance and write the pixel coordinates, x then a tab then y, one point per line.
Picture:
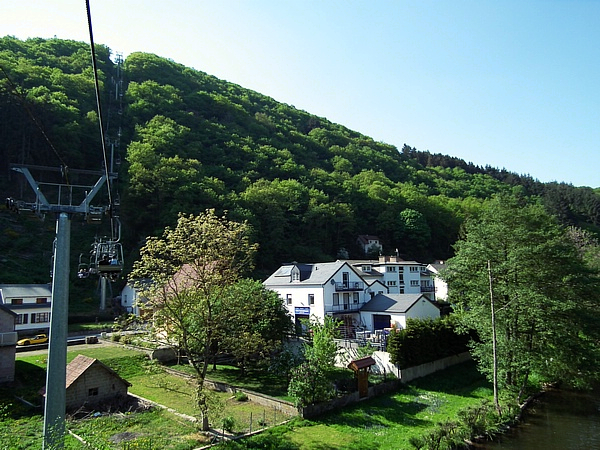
56	371
63	195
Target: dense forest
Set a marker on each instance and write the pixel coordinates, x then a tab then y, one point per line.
185	141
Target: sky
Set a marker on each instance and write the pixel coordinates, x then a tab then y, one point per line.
513	84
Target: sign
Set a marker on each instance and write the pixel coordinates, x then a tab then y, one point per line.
302	311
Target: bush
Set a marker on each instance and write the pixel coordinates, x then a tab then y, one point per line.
241	396
228	423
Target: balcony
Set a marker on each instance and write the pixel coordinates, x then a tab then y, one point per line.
343	308
425	289
349	286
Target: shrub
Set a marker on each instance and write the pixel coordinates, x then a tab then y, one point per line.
241	396
228	423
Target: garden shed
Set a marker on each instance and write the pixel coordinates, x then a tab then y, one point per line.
90	382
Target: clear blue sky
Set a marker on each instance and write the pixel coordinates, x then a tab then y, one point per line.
514	84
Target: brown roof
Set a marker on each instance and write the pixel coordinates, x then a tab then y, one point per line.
361	363
80	364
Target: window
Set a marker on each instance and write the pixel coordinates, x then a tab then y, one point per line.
355	297
16	301
366	268
346	298
288	299
391	283
414	269
295	274
414	283
41	300
401	269
40	317
92	392
336	299
21	319
311	299
390	268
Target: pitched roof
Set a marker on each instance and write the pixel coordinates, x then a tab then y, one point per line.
25	290
392	303
317	273
361	363
7	310
81	363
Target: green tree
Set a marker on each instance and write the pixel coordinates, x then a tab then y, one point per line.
310	382
515	270
192	268
257	324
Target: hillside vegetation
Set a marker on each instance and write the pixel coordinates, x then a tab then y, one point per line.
189	141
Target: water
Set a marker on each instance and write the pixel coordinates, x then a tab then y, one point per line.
558	421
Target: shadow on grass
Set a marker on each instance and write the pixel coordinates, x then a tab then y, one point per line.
254	380
29	379
380	412
463	380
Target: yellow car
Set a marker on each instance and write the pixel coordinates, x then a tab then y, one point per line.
37	339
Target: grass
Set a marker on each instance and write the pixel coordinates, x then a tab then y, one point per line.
386	422
156	429
265	382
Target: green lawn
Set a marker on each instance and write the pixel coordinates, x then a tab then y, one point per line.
389	421
386	422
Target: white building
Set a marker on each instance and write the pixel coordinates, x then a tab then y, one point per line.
397	275
131	300
31	303
320	289
441	287
343	289
387	310
369	244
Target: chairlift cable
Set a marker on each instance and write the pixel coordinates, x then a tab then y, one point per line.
99	104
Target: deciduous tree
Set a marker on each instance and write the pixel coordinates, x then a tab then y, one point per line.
544	297
192	267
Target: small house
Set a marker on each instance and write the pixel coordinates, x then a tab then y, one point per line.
90	382
387	310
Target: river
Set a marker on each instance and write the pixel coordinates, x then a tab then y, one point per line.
559	420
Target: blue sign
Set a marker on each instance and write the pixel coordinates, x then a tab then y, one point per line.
302	311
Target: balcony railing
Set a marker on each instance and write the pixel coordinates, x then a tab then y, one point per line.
350	286
427	289
343	308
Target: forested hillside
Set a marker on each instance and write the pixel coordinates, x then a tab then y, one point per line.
189	141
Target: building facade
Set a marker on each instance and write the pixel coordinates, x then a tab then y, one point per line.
31	303
8	344
343	289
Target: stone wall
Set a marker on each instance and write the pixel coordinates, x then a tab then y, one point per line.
108	387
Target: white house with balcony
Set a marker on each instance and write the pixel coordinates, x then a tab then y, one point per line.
30	302
397	275
346	290
332	288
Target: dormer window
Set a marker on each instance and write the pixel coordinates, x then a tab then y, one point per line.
366	268
295	274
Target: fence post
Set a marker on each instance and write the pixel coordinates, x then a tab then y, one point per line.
250	422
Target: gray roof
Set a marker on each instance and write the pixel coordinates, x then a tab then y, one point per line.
317	273
25	290
392	303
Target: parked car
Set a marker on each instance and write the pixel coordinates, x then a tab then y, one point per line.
37	339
